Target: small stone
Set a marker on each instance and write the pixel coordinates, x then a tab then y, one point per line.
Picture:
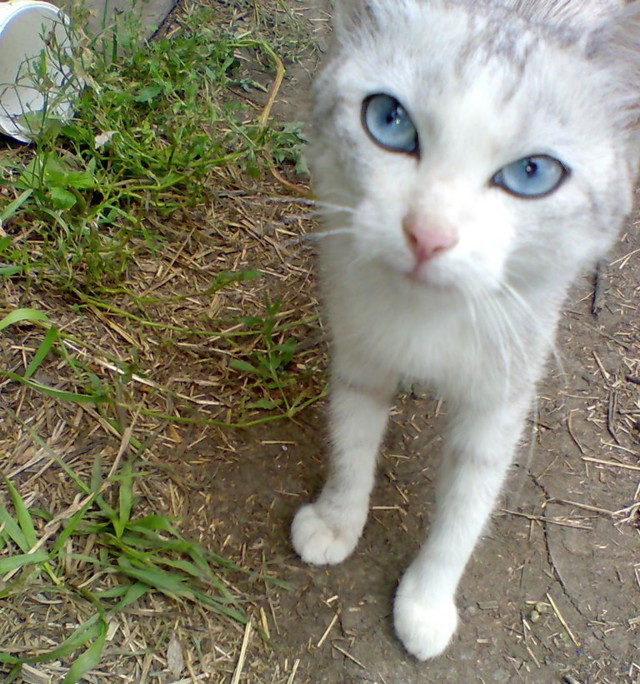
488	605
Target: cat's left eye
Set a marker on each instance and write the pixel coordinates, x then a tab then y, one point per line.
389	125
531	177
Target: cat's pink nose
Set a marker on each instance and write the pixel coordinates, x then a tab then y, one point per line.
425	242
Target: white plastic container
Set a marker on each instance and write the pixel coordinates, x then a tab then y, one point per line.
36	80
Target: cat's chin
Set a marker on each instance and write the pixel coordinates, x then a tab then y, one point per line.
431	279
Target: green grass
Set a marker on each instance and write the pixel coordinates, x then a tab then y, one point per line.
131	555
149	129
155	126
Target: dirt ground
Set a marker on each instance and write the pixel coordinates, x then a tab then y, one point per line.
552	594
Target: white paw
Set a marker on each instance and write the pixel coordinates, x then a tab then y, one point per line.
318	541
424	627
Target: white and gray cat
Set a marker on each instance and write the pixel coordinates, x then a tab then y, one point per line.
471	158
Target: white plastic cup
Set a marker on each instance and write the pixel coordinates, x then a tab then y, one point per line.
36	80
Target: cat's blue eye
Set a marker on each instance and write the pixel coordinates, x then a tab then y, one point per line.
531	177
388	124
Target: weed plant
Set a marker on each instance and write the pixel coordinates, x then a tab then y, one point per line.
153	122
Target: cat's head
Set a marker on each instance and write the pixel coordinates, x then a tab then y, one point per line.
470	143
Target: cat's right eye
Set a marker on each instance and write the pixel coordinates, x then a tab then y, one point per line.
388	124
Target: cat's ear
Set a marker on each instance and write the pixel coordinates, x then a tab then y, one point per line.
616	47
358	16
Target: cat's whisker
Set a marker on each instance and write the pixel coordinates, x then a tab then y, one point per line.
318	236
528	311
503	334
324	206
307	202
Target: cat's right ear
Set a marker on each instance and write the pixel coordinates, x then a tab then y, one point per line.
357	17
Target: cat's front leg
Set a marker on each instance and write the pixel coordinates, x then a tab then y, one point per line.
328	530
478	453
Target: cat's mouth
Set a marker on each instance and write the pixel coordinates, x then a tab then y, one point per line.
446	274
432	274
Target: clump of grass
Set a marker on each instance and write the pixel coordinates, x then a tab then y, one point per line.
158	130
268	366
154	122
130	556
126	555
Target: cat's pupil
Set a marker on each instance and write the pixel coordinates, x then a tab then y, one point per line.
395	116
531	168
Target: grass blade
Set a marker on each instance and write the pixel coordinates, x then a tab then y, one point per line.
21	560
134	592
23	316
89	659
72	524
83	634
22	514
62	395
161	581
12	208
42	352
11	529
125	499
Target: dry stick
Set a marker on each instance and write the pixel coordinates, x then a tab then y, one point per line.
32	675
533	656
613	464
623	259
275	86
573	437
127	433
586	507
612	409
562	620
348	655
305	192
243	654
292	676
265	624
627	509
327	630
601	367
597	304
552	521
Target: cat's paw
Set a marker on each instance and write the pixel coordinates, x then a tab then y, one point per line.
319	541
425	627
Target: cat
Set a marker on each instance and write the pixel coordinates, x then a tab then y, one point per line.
471	157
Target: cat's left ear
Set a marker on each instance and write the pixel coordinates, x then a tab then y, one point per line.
615	46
